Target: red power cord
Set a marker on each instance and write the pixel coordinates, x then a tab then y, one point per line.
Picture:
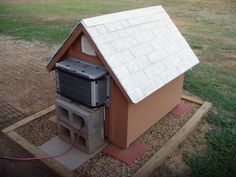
47	157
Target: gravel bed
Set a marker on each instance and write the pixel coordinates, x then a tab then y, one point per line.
40	130
155	137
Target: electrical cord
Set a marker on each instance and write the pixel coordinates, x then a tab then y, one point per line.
47	157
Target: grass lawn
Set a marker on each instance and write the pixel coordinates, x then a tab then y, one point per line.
210	28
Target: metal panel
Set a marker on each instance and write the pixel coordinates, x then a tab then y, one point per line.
89	87
82	69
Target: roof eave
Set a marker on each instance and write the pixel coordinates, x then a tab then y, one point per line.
51	64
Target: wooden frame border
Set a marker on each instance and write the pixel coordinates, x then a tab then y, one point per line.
34	150
145	170
173	142
28	119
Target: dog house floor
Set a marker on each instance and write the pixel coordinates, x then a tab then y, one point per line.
40	130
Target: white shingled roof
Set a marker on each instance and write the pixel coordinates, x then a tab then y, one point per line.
143	48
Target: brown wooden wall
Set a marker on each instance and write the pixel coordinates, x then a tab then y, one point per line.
146	113
126	127
75	50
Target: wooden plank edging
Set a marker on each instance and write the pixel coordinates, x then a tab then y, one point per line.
145	170
170	145
192	99
51	163
28	119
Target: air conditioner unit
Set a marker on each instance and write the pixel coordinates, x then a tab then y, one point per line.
83	82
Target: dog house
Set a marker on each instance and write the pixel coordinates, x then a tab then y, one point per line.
145	57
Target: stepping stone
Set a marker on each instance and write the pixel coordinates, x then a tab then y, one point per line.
72	160
182	109
129	155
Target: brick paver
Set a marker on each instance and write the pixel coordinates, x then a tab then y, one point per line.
8	114
25	85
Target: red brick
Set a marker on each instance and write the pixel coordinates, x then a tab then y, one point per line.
129	155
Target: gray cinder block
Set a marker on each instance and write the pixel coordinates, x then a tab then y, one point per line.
65	132
71	116
89	144
76	115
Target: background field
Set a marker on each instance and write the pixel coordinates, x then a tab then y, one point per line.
210	28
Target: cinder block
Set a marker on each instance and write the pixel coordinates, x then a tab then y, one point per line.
65	132
77	115
73	116
89	144
62	113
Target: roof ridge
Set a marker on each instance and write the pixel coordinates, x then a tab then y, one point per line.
116	16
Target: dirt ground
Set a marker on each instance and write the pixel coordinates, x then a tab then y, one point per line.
20	169
26	86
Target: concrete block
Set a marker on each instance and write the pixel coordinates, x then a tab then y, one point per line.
73	159
86	143
76	115
73	116
65	132
62	113
89	144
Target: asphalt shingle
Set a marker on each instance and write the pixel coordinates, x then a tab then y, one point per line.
143	47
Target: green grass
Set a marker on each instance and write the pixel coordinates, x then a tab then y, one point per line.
218	85
49	34
209	27
218	161
51	22
217	89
